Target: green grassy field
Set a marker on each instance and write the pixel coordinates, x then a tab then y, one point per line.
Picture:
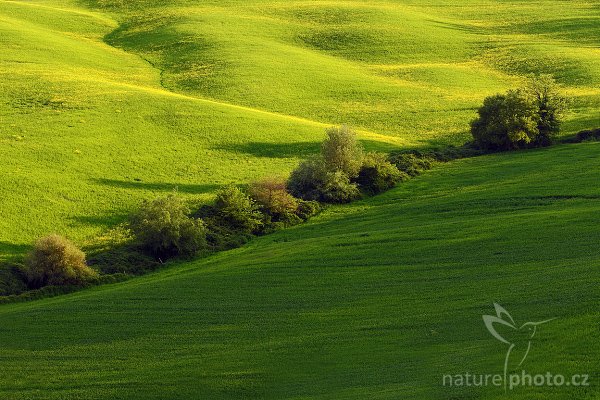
375	300
104	103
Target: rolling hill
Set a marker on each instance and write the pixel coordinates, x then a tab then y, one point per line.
373	300
104	103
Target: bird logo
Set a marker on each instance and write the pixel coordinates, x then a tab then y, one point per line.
514	335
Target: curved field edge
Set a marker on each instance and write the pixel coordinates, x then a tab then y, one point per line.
87	130
377	299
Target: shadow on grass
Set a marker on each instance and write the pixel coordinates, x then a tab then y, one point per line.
274	150
11	252
124	258
159	186
108	220
295	150
11	261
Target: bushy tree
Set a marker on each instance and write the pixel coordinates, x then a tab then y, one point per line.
163	227
275	202
341	151
236	210
328	177
307	180
312	180
545	93
377	174
412	164
337	188
528	117
56	261
506	122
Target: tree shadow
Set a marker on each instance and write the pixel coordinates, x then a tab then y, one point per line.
295	150
12	252
159	186
383	147
107	220
274	150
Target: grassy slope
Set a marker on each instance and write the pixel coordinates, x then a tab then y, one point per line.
81	122
87	130
374	300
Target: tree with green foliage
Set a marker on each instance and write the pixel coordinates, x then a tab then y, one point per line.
545	93
377	174
307	180
56	261
328	177
236	210
276	203
527	117
506	122
337	188
341	151
164	228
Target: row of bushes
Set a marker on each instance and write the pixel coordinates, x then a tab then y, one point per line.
342	172
588	135
166	227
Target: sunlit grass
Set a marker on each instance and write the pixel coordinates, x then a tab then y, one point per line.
377	299
155	96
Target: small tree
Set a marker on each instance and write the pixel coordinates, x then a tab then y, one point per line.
163	227
328	176
56	261
377	174
341	151
274	200
506	122
337	188
237	210
412	164
307	180
545	93
528	117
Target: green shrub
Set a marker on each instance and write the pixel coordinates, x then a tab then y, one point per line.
307	209
412	164
341	151
550	104
56	261
237	211
13	279
328	178
377	174
220	237
123	259
275	202
528	117
506	122
588	135
308	179
337	188
163	228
